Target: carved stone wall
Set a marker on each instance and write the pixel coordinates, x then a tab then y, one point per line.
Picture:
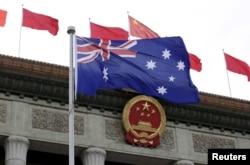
79	125
204	142
114	130
167	139
55	121
3	108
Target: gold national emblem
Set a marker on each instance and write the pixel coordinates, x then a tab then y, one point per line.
144	120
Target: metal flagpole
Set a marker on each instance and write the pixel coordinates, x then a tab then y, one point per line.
227	74
89	24
20	34
128	25
71	32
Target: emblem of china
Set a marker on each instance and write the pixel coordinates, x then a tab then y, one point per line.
144	120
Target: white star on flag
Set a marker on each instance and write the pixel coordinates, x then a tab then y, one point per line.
151	64
166	54
171	78
162	90
180	65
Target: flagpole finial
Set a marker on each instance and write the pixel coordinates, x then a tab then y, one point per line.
71	30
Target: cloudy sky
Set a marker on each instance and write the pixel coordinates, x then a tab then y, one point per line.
206	26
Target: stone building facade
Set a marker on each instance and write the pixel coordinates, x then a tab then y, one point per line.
34	122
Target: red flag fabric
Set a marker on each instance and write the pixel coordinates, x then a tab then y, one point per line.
3	15
110	33
40	22
237	66
195	62
140	30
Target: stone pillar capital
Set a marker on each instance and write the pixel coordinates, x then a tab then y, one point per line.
184	162
16	148
93	156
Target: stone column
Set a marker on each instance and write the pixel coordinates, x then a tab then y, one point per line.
93	156
184	162
16	148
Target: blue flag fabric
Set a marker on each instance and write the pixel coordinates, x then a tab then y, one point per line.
156	67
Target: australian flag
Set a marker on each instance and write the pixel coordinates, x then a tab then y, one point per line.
156	67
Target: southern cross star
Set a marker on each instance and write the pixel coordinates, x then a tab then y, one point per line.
151	64
166	54
171	78
162	90
180	65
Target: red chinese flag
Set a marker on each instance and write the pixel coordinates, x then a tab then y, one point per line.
40	22
195	62
110	33
3	15
237	66
138	29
